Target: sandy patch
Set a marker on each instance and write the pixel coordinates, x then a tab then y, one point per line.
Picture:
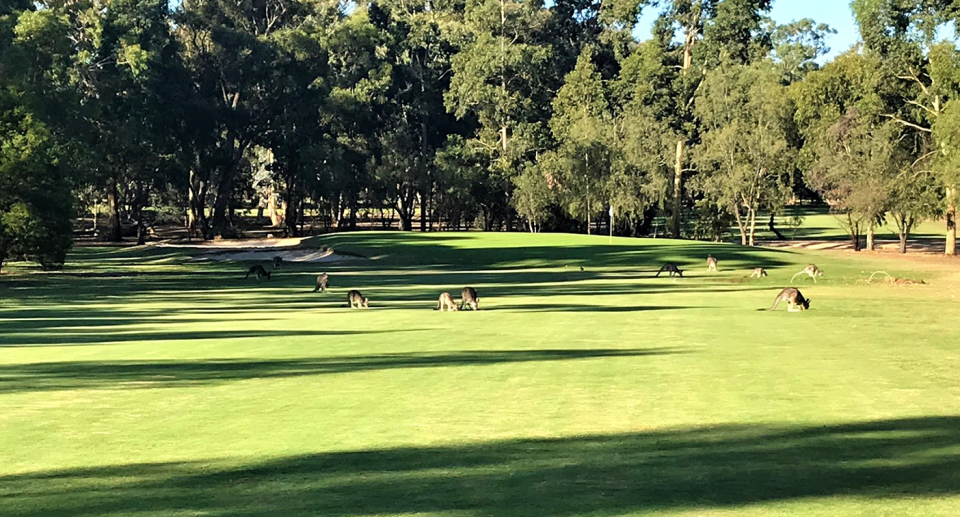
258	250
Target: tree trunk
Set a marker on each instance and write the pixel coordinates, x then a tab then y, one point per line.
741	226
677	190
870	237
275	218
224	192
951	244
114	232
138	202
588	216
775	230
903	242
753	226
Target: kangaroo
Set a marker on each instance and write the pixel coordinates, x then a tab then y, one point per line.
259	271
446	303
711	263
758	272
277	261
322	282
469	298
357	300
796	302
811	270
670	268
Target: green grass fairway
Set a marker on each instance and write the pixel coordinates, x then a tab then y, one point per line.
141	383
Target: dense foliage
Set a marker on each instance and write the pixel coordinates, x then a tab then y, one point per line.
499	114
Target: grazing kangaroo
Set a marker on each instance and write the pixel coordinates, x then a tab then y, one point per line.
811	270
711	263
670	268
758	272
446	303
469	298
357	300
322	282
259	271
796	302
277	261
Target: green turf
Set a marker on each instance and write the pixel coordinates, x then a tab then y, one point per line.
819	224
140	383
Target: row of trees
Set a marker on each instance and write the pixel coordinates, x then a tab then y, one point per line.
504	112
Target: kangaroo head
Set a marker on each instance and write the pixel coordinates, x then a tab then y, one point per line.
806	304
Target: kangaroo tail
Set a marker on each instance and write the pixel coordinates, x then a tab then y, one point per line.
795	276
775	303
248	275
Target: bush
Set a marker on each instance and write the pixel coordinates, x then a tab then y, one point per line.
45	238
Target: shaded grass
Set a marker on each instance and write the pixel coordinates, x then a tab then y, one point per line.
595	392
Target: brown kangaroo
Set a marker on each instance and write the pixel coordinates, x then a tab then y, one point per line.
711	263
357	300
811	270
758	272
446	303
795	300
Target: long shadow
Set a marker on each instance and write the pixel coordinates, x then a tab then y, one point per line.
77	337
572	307
164	374
699	469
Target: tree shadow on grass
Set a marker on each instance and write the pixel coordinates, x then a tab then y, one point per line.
167	374
721	467
76	337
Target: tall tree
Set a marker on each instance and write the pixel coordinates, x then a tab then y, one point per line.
904	35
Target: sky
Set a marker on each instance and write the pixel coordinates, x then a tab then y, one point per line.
835	13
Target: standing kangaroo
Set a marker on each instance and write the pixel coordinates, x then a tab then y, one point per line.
357	300
469	298
670	268
811	270
446	303
259	271
322	282
758	272
277	261
711	263
795	300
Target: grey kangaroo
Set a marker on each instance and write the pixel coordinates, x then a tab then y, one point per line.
795	300
758	272
469	298
322	282
259	271
277	262
670	268
357	300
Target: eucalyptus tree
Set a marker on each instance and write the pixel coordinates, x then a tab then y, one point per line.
745	160
904	36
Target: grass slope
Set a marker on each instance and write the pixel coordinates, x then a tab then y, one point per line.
140	383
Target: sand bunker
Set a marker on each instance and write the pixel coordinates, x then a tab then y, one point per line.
263	250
